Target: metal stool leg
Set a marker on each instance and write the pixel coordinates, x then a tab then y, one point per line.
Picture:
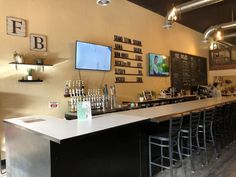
171	158
179	150
161	156
150	156
213	139
204	143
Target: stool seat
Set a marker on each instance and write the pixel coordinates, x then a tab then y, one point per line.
164	136
166	141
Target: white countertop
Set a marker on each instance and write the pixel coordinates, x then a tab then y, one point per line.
57	129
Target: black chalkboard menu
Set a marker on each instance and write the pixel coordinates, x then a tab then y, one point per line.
187	70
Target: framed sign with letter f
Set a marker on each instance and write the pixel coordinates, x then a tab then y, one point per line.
16	26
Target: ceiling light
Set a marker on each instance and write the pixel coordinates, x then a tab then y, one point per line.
172	16
213	45
219	35
103	2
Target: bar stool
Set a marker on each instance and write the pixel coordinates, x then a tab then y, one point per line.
189	136
232	120
227	123
219	128
205	129
166	140
233	114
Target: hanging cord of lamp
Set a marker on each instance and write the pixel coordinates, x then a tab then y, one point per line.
103	2
173	14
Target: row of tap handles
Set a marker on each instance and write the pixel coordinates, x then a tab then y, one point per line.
99	99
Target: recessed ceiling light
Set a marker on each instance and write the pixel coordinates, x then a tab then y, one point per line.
103	2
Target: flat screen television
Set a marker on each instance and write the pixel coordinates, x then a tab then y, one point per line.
90	56
158	65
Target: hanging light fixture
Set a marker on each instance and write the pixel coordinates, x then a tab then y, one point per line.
173	14
171	17
219	35
213	45
103	2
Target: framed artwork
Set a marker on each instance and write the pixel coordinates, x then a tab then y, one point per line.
158	65
147	95
222	59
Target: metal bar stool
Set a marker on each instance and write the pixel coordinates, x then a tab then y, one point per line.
189	137
233	114
232	120
219	128
227	123
205	129
166	140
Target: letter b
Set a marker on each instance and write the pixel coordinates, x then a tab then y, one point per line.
38	42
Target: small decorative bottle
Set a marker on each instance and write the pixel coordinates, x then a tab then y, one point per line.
67	88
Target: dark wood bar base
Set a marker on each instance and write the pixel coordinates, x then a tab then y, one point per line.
114	153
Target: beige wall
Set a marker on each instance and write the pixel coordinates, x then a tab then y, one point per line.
66	21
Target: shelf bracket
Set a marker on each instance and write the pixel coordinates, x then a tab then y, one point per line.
16	66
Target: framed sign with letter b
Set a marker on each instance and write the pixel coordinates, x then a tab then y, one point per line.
38	42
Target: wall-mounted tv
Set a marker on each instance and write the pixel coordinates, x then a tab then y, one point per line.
90	56
158	65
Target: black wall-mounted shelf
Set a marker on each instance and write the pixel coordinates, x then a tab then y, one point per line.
31	64
128	82
128	43
38	80
129	67
34	64
128	51
132	59
124	55
129	74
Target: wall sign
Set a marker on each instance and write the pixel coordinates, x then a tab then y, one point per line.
38	42
187	70
16	26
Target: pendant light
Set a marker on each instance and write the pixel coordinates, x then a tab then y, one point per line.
103	2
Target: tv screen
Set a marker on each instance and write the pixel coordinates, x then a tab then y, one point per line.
92	56
158	65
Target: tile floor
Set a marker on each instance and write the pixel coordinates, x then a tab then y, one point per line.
225	166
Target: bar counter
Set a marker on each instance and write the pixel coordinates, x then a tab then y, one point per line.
111	144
